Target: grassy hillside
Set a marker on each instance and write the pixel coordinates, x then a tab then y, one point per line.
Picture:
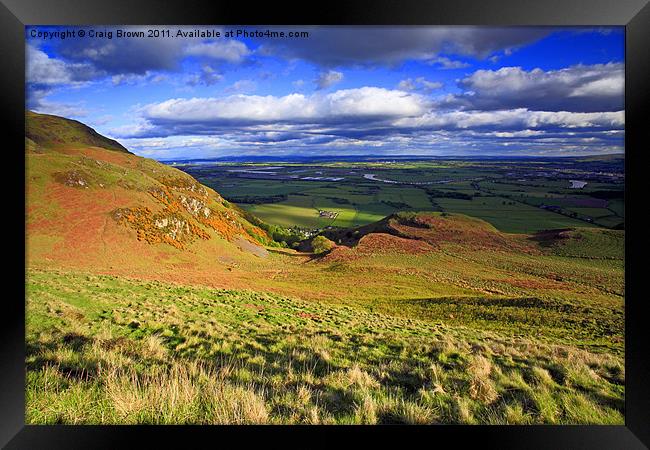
585	243
104	349
47	131
97	206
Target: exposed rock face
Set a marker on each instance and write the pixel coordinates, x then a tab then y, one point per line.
72	178
161	195
161	223
185	216
165	226
173	227
194	206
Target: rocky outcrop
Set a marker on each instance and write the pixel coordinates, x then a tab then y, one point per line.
73	178
195	206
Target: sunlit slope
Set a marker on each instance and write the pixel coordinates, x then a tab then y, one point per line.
49	131
423	232
91	203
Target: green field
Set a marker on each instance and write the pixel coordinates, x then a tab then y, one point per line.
494	192
353	208
511	217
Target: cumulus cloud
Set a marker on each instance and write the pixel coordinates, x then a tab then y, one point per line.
520	118
407	85
123	56
242	86
577	108
364	102
419	83
203	115
363	114
390	141
42	70
63	109
43	75
586	88
445	63
327	79
429	85
207	76
231	51
137	56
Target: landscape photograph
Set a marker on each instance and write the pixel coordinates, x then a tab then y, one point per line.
324	225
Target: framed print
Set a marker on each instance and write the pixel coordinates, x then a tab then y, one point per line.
267	222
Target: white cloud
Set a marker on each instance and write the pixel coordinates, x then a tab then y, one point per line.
612	84
69	110
419	83
140	127
327	79
242	86
598	87
231	51
100	121
429	85
43	70
353	104
207	76
516	134
516	118
406	85
446	63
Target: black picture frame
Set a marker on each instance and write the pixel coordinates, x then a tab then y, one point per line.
633	14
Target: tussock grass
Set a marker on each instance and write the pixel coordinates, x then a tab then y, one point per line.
106	350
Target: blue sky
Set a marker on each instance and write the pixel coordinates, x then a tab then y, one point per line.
463	91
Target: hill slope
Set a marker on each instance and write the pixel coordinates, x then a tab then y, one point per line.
48	131
112	212
91	203
423	232
428	231
190	355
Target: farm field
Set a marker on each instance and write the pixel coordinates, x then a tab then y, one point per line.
514	196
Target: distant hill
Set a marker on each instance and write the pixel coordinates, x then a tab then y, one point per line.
49	131
422	232
614	157
425	232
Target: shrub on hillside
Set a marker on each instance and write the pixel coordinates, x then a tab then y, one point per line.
320	244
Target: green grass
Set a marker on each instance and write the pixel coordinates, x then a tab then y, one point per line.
303	211
592	243
52	131
296	211
511	217
104	349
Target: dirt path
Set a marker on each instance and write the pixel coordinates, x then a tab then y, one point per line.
289	252
250	247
